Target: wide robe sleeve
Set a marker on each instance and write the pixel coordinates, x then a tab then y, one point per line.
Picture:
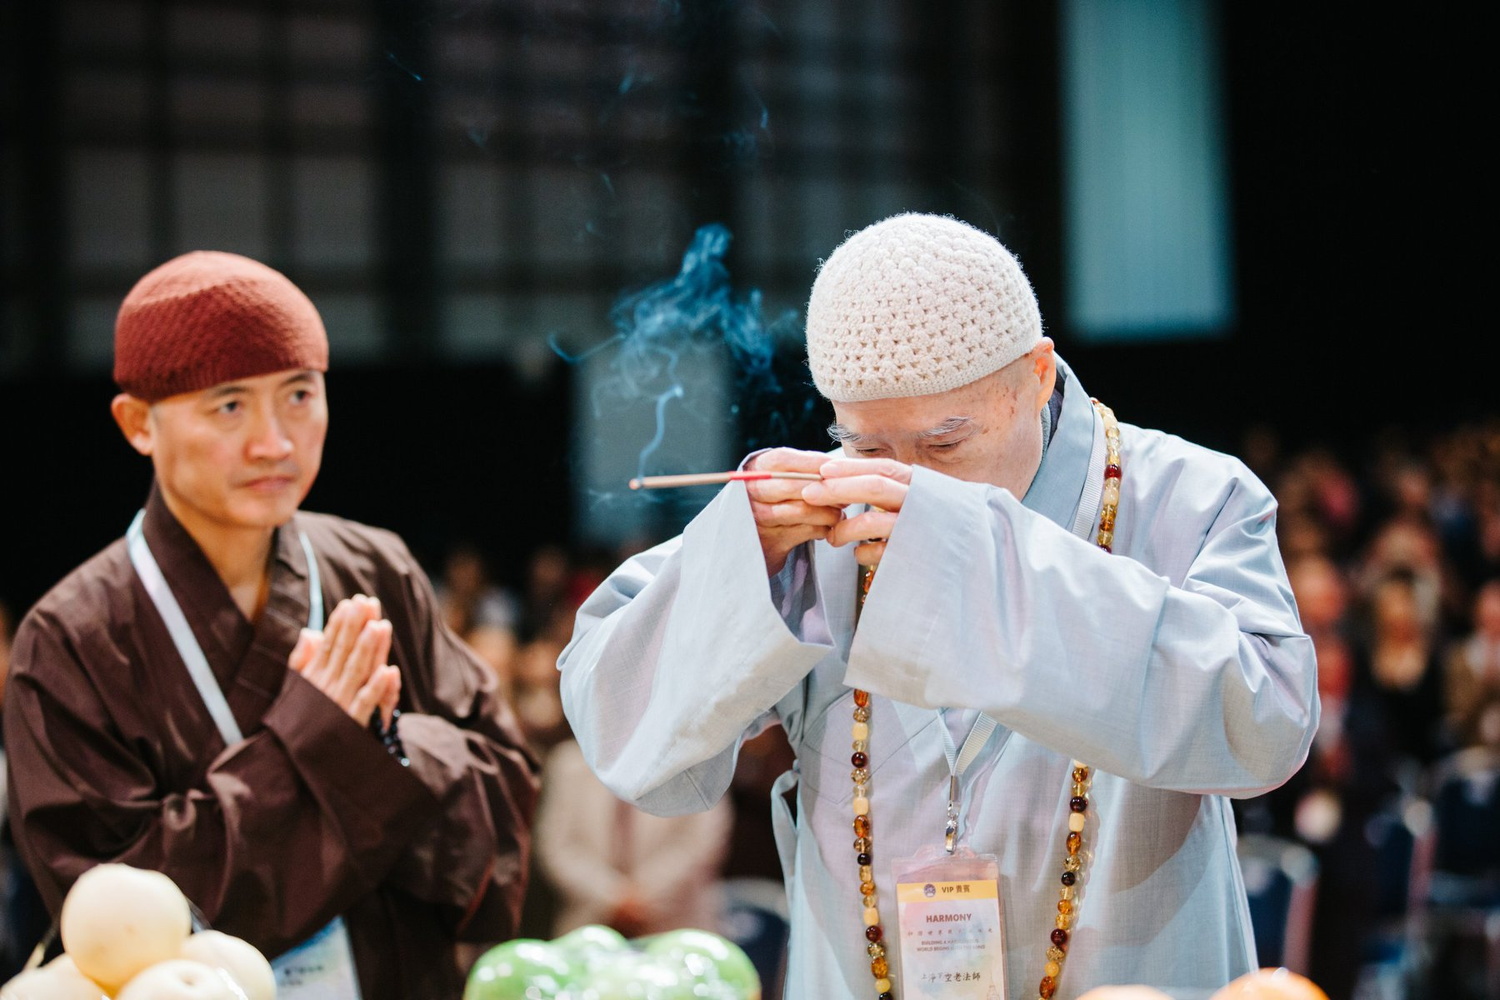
471	856
679	655
271	840
1198	678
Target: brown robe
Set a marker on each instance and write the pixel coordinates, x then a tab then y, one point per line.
114	757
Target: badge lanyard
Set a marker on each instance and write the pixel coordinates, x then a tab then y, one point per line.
182	634
948	907
322	966
958	762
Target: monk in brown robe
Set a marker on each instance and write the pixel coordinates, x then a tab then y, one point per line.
347	793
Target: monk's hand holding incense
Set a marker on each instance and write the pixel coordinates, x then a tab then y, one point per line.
346	661
783	517
878	483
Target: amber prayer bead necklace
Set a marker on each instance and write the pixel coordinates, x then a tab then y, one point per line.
1079	778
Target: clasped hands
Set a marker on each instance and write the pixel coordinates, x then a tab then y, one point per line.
789	512
346	661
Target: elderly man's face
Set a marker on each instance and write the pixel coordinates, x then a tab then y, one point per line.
989	431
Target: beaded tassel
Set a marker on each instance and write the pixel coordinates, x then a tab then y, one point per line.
863	843
1111	506
1078	805
390	736
863	847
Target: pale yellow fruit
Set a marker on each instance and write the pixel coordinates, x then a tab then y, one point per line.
59	979
118	919
239	958
1130	992
181	979
64	965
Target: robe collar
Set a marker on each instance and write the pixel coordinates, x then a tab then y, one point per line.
1060	479
249	661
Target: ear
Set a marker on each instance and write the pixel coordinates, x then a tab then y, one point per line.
134	419
1044	367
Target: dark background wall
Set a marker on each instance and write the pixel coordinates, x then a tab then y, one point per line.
459	184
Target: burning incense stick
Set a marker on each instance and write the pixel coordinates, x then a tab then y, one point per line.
709	478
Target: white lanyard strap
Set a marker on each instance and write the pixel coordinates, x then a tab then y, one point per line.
958	763
182	634
314	586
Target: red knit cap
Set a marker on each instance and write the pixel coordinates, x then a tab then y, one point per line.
209	317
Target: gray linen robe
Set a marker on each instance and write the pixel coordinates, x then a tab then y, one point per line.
1176	666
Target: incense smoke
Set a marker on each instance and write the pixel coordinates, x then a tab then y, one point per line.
695	311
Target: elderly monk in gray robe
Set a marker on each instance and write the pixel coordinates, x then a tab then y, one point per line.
345	790
1077	642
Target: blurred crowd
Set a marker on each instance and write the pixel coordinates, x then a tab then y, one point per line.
1394	559
1393	555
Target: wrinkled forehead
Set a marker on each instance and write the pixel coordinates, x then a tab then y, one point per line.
981	403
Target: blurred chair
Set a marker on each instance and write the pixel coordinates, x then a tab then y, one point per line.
1402	836
1465	793
1281	880
1458	917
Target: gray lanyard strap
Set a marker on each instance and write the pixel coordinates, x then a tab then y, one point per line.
182	634
958	763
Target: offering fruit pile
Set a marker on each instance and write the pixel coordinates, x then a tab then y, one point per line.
127	934
598	963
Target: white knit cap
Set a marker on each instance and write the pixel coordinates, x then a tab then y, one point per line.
914	305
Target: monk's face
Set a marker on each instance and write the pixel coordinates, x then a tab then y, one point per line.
989	431
240	455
